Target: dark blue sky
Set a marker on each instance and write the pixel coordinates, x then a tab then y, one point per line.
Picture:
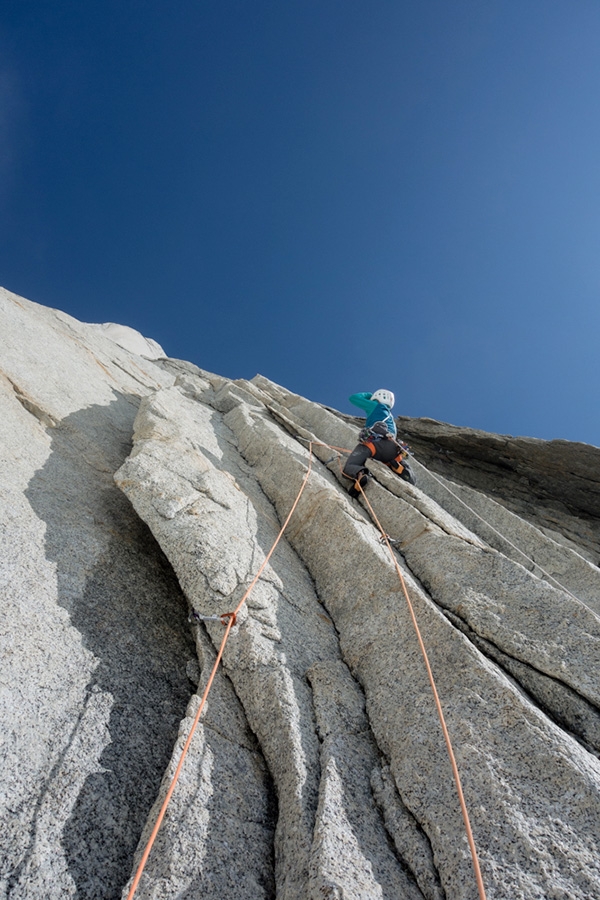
340	195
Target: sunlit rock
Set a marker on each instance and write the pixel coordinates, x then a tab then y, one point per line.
136	489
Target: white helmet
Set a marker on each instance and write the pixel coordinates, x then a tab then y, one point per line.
383	396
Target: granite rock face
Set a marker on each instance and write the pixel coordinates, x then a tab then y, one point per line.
94	637
554	484
130	339
135	488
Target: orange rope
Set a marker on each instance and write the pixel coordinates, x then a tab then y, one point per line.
231	620
455	771
163	808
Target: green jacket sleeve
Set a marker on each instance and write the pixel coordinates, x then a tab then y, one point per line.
363	401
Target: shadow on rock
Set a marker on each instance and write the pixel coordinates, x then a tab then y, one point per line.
123	598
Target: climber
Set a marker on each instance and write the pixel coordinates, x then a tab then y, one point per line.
377	441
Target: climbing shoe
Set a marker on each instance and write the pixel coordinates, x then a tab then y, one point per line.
400	467
360	482
407	475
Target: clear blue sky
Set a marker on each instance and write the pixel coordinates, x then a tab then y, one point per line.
342	195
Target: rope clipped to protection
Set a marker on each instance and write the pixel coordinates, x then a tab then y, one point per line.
228	620
195	617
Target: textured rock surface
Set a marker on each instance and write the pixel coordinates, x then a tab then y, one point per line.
318	769
94	642
187	478
217	836
554	484
130	339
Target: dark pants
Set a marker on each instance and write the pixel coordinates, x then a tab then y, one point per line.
386	451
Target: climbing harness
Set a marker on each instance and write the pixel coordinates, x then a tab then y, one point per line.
371	436
376	432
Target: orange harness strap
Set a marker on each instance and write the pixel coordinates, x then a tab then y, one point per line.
371	447
396	464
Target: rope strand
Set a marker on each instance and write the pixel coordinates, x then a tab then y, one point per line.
499	533
455	772
231	620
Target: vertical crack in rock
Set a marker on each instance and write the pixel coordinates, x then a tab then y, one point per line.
350	852
569	567
42	415
523	616
566	707
216	839
59	794
411	842
182	461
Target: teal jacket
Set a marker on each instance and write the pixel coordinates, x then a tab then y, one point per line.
376	412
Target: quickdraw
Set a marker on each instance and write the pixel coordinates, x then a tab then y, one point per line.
195	617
